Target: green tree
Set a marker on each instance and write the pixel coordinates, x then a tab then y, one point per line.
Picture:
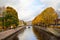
10	17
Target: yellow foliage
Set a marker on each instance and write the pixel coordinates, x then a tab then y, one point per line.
47	16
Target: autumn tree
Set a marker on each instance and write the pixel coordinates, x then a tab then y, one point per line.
10	17
46	17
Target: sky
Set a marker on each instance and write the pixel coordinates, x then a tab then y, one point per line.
29	9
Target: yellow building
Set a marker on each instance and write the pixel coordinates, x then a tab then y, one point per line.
56	23
21	23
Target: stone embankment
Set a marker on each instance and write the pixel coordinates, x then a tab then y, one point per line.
10	34
47	33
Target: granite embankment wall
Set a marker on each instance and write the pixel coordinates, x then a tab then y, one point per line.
11	34
45	35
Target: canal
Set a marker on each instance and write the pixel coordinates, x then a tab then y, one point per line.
28	34
33	33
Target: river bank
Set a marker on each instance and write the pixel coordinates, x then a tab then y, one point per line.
45	34
8	33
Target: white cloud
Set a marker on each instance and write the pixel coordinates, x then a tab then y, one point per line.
25	3
52	3
26	8
31	8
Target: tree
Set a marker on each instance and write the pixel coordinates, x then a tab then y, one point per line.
24	23
46	17
10	17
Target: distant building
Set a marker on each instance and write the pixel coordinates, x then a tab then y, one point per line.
21	23
1	16
56	22
29	23
1	11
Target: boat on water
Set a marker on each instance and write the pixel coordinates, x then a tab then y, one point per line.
28	27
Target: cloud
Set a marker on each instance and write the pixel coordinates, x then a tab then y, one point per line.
13	3
52	3
5	2
29	9
34	7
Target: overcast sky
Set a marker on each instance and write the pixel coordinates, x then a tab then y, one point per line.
28	9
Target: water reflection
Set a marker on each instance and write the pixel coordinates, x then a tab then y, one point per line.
38	34
31	33
15	38
28	34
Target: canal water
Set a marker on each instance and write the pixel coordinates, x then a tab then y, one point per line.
28	34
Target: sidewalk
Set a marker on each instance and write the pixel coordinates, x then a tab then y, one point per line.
9	32
51	30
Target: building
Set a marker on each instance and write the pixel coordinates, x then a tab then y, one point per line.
1	11
1	16
29	23
21	23
56	23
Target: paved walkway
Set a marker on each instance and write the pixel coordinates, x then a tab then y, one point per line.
8	32
51	30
